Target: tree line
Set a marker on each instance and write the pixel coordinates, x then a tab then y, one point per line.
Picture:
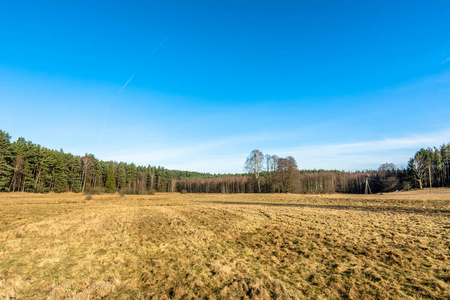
272	174
28	167
430	167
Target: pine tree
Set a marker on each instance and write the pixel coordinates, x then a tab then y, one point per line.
48	171
121	176
131	177
74	172
32	160
110	180
5	161
61	171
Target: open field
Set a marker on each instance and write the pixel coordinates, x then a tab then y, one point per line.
243	246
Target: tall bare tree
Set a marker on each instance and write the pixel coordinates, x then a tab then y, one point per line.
419	165
88	169
271	166
254	164
287	179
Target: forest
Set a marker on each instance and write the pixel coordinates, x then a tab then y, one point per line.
28	167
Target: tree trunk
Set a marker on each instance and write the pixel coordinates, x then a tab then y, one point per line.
429	175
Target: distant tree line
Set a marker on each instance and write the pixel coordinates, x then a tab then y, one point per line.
271	174
28	167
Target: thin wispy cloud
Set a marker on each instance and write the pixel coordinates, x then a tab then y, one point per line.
227	164
446	60
359	155
227	155
175	152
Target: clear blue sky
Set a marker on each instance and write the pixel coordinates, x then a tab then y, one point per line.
197	85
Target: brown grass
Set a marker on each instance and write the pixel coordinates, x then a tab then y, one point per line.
185	246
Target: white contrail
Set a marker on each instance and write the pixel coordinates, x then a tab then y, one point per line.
145	62
125	85
157	47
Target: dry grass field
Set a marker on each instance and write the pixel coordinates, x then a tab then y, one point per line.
215	246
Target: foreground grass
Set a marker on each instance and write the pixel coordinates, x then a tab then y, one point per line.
225	246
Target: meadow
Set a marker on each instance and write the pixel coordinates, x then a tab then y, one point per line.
220	246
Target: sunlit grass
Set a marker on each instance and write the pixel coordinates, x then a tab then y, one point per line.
250	246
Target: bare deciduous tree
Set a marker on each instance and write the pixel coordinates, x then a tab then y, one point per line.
88	169
418	165
254	164
287	175
387	167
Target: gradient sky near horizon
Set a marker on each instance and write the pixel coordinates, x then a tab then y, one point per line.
197	85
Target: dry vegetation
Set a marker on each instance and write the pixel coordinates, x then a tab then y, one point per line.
248	246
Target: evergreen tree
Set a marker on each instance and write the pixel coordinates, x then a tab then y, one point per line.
110	179
5	161
132	175
121	176
60	173
74	172
32	158
48	171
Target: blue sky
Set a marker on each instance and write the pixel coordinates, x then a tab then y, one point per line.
197	85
